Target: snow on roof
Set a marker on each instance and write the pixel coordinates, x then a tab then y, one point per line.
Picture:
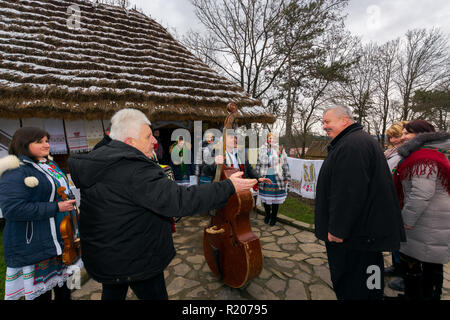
117	58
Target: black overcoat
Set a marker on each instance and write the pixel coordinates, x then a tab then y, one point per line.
355	196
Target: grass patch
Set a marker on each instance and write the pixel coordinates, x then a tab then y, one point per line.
296	209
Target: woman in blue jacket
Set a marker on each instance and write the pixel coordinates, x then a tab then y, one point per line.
33	211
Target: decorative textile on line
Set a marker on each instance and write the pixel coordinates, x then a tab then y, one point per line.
76	136
55	128
94	132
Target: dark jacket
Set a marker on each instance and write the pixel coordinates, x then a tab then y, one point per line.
126	205
356	198
106	139
30	233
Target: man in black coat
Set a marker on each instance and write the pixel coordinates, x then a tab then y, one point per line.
127	203
357	213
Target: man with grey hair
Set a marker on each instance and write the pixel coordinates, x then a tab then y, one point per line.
357	213
127	203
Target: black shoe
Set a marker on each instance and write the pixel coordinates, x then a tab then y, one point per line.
397	284
391	271
266	219
273	221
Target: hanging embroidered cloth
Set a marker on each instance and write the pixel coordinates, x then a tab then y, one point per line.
94	132
76	136
55	128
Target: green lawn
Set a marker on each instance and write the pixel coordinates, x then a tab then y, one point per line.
298	210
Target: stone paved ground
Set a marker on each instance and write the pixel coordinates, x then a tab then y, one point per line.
295	267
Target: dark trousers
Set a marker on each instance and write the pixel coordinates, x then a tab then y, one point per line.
356	275
61	294
423	280
396	258
150	289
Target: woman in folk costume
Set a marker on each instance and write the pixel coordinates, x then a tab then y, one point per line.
272	164
33	212
422	179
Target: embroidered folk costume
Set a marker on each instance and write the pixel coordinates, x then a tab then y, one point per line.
35	279
272	163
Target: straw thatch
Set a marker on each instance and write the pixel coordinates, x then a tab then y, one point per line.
118	58
317	150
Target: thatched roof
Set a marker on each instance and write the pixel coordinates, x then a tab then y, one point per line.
317	149
120	58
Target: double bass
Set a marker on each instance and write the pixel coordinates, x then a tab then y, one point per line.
232	251
68	229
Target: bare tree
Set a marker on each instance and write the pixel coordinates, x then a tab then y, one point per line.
358	93
385	68
240	32
422	64
434	105
243	34
331	68
205	47
302	42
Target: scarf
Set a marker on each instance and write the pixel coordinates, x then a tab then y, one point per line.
423	162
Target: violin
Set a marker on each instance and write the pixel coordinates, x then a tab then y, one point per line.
232	251
69	232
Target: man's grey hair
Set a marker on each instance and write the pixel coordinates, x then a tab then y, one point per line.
127	123
341	111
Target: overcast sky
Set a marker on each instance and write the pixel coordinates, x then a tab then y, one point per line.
374	20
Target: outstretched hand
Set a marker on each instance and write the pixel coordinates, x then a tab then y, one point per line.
241	184
265	180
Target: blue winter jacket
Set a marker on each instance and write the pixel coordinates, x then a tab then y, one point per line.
30	231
